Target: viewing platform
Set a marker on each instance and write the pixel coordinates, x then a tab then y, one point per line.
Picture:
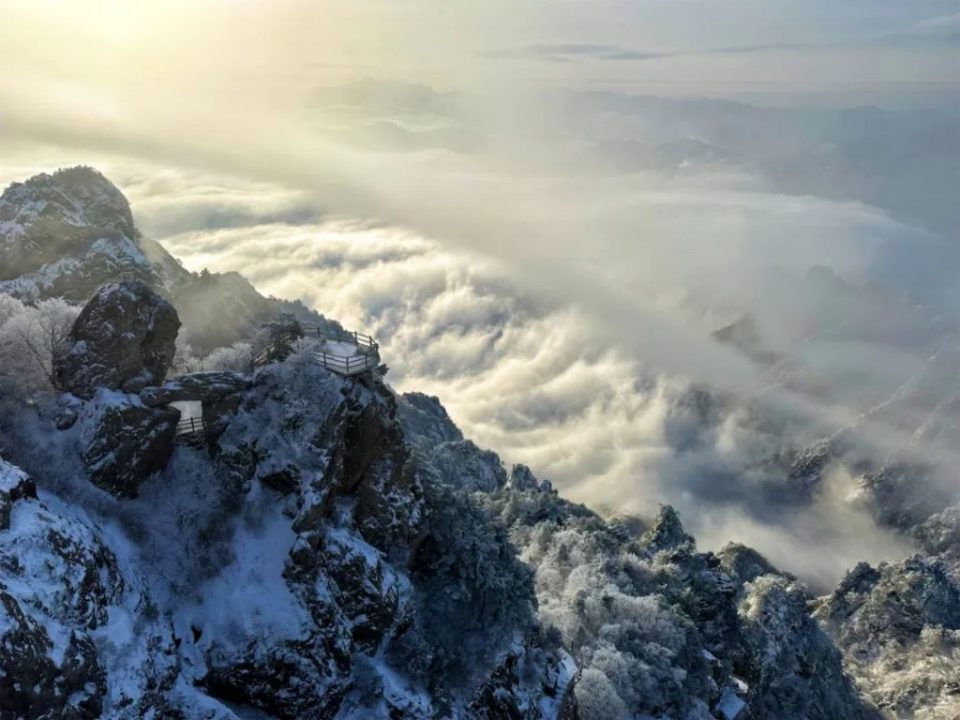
345	353
340	351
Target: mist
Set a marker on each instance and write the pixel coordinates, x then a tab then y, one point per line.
545	231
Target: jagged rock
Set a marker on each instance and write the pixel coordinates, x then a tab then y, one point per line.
67	233
33	685
432	434
57	580
898	626
746	564
14	485
798	671
424	418
201	386
51	215
521	478
667	531
123	339
125	442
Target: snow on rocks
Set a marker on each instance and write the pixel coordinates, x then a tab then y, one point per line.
14	485
123	339
124	441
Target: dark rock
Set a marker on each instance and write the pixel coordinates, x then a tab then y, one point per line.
745	564
796	672
123	339
284	481
667	532
14	485
201	386
521	478
423	417
35	687
57	214
126	443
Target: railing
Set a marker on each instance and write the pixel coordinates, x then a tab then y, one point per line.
366	357
190	427
346	364
365	344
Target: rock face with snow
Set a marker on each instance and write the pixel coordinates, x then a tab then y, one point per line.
66	234
55	582
124	339
457	461
899	628
14	485
200	386
124	442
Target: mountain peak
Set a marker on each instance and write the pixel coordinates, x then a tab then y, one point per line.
77	195
65	233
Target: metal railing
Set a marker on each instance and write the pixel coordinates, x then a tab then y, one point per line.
365	344
366	357
346	364
190	427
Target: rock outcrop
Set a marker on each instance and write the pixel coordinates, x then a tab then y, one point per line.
65	234
14	485
124	339
55	582
201	386
798	672
898	626
125	442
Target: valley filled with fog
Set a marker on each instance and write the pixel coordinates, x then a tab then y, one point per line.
556	270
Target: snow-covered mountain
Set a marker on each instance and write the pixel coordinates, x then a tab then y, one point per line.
67	233
325	548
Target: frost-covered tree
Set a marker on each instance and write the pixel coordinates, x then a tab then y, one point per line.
185	360
236	358
9	306
27	340
474	595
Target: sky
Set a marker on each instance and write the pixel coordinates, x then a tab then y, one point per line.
543	209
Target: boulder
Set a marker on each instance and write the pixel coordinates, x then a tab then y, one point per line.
123	340
201	386
126	442
14	485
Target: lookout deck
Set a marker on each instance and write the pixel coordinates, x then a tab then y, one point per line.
340	351
345	353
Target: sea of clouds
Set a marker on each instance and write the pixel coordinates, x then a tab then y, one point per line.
553	270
